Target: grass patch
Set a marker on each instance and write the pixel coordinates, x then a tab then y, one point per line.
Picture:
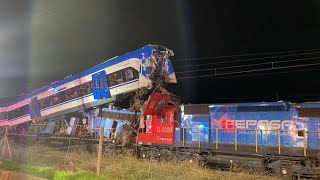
48	172
77	163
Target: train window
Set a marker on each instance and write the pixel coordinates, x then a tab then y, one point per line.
160	105
55	100
44	103
115	78
3	115
82	89
73	93
62	96
175	117
122	76
52	100
21	111
162	119
85	88
24	110
159	120
301	133
66	95
10	115
148	117
89	88
48	101
127	74
130	74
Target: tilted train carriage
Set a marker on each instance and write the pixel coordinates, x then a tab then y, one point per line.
137	70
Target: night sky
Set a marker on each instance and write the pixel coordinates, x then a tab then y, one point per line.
43	41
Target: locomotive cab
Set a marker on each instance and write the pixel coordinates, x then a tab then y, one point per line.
158	122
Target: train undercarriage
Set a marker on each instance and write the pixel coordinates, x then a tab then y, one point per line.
285	166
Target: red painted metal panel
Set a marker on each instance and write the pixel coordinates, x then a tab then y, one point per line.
160	129
156	103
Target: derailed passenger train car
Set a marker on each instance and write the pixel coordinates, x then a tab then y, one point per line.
87	125
99	85
281	137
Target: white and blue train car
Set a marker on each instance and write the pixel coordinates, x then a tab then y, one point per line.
93	87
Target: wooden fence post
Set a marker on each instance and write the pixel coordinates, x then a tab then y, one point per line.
100	149
5	144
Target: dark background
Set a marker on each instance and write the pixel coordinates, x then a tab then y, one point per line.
44	41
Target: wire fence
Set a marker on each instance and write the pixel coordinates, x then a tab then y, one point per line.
81	153
72	155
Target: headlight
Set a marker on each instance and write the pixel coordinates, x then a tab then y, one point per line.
284	172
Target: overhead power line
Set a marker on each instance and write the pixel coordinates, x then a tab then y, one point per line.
244	75
273	65
245	60
250	54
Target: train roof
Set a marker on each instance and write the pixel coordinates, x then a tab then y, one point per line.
309	105
315	104
240	107
278	103
146	50
246	107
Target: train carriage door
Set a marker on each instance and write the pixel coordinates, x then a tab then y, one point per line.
95	84
104	88
34	109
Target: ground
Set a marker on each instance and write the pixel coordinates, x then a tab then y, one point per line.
74	162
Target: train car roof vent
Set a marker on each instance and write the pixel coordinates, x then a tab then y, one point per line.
309	112
196	109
